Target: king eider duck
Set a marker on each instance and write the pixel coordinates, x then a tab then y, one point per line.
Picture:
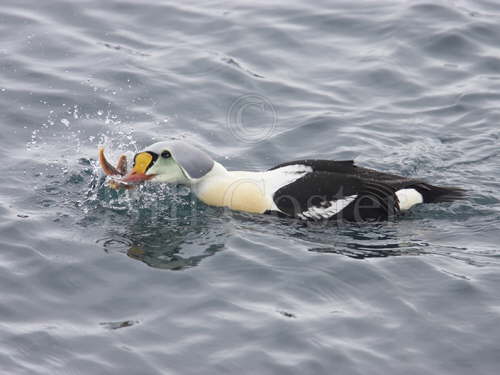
305	189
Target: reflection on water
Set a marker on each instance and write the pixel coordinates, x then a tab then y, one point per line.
175	245
370	240
168	259
371	250
162	226
405	87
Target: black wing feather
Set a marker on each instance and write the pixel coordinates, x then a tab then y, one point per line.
331	180
337	166
374	200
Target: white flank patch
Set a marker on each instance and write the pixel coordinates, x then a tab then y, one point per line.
408	198
333	208
277	178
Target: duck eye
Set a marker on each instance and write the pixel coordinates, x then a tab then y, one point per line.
166	154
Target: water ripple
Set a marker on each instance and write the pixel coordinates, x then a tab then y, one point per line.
409	88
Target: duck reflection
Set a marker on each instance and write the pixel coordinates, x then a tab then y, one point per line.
363	251
181	239
170	260
172	233
175	244
359	241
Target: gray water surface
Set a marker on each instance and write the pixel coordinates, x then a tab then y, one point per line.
154	282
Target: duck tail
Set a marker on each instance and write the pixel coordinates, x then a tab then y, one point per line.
438	194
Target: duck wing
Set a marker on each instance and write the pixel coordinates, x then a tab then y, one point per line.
340	189
336	190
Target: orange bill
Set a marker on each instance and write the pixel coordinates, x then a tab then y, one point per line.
143	161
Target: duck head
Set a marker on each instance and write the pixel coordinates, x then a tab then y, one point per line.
173	162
